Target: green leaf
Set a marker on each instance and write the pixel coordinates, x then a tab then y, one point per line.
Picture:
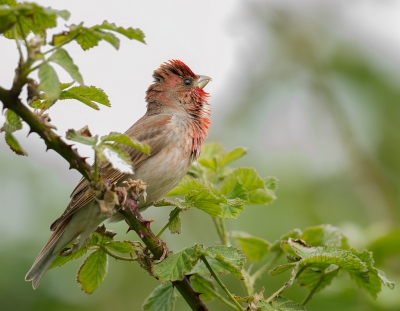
75	136
317	278
13	143
64	86
238	191
87	95
87	37
282	268
232	208
62	58
109	37
165	202
253	247
189	183
176	265
280	304
276	246
49	82
176	223
130	33
233	155
203	286
231	258
261	196
324	234
123	247
271	183
13	122
62	260
376	277
205	201
93	271
127	141
201	268
162	298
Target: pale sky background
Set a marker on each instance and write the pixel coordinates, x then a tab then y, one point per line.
209	36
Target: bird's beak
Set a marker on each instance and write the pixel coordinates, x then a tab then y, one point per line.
202	81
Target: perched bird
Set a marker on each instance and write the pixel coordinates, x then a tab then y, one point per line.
174	127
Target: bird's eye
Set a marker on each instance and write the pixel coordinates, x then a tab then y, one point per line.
187	81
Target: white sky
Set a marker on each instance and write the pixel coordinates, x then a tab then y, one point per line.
205	35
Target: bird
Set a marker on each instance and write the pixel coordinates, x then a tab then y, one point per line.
174	126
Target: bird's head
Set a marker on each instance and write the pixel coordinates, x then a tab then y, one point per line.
175	84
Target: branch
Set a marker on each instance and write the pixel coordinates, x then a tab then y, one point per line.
158	248
37	124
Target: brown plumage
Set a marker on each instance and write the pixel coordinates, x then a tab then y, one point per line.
174	127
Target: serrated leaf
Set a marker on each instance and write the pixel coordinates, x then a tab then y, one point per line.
87	38
109	37
271	183
261	196
118	157
205	201
162	298
73	135
13	143
64	86
376	277
232	208
253	247
62	58
87	95
127	141
231	258
276	246
189	183
322	235
62	260
209	150
176	265
93	271
233	155
282	268
175	224
49	82
13	122
217	267
165	202
317	278
130	33
123	247
280	304
238	191
203	286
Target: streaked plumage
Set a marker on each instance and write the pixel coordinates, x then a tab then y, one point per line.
174	126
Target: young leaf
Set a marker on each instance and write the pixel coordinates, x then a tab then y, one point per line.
127	141
75	136
62	260
13	143
123	247
231	258
376	277
176	223
233	155
93	271
232	208
130	33
87	95
176	265
276	246
189	183
49	82
280	304
205	201
317	278
165	202
324	234
203	286
282	268
62	58
253	247
201	268
13	122
271	183
162	298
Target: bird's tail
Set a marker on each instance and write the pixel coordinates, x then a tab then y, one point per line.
46	256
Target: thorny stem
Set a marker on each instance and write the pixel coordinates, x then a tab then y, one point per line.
222	285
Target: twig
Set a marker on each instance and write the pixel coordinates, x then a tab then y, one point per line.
222	285
175	213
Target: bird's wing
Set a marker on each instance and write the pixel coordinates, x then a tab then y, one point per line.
149	129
